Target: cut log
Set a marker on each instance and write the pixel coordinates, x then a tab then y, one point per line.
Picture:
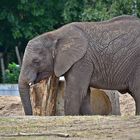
43	97
105	102
51	96
100	103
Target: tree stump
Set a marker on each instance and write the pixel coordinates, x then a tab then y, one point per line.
43	97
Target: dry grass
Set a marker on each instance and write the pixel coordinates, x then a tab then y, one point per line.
82	127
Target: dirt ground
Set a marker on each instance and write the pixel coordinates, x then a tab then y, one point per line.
70	128
16	126
127	105
11	105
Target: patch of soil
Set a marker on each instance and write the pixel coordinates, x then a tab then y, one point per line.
127	104
11	105
70	128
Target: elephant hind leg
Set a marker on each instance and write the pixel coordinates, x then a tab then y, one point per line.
135	90
137	106
136	97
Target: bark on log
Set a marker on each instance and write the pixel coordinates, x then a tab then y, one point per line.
43	97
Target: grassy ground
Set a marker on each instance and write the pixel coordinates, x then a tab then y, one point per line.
77	127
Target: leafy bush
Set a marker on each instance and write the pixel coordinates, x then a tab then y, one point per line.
12	73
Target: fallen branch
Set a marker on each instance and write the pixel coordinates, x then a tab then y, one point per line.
35	134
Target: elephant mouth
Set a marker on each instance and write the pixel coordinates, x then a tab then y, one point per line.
40	76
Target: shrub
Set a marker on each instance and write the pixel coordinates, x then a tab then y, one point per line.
12	73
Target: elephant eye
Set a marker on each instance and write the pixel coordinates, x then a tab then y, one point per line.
36	62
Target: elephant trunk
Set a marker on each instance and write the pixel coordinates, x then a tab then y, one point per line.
24	90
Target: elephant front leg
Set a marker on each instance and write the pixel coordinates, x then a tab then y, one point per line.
85	108
72	103
77	84
73	97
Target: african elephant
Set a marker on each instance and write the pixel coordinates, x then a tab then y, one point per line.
103	55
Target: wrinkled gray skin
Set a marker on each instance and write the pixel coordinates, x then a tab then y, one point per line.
99	54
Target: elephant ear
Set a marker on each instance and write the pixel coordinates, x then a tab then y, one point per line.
71	47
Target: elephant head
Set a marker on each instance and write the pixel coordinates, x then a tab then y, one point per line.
50	53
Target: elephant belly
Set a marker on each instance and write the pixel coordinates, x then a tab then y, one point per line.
108	82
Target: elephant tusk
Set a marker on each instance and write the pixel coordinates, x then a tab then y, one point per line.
30	84
49	84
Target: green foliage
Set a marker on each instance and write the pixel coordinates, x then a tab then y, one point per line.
121	7
97	12
21	20
72	10
24	19
12	73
